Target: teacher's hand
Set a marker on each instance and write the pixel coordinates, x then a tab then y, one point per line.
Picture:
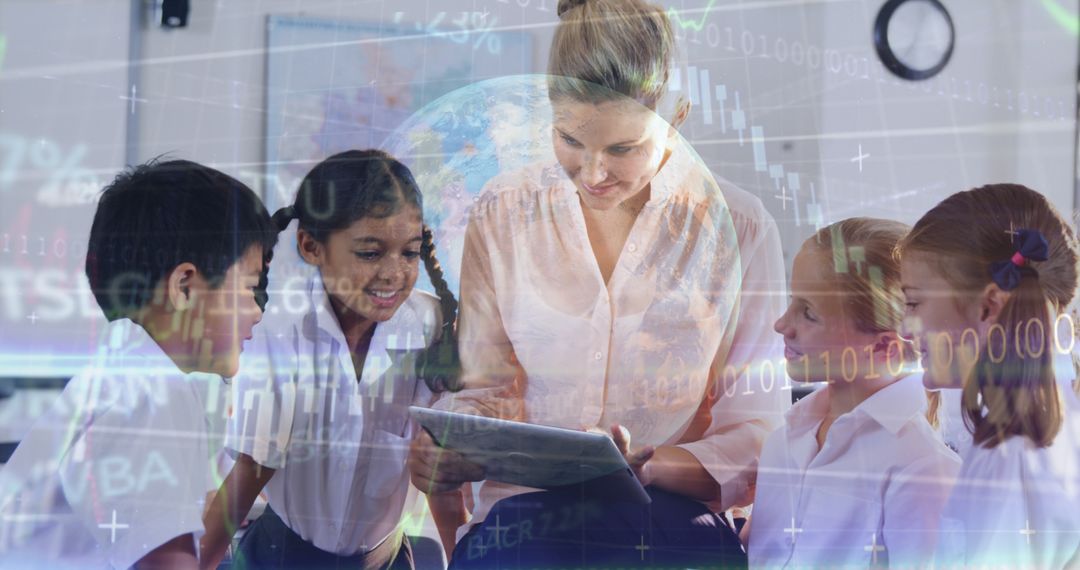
638	460
437	470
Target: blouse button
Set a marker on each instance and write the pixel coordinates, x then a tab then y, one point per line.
598	356
632	248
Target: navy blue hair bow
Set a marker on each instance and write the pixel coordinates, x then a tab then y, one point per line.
1030	246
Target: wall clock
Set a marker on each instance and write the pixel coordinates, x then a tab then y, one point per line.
914	38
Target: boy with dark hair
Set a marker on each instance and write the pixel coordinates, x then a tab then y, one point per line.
116	473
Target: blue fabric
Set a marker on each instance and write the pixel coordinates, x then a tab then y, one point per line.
566	529
1029	243
269	543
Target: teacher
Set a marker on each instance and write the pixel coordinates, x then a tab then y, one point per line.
622	289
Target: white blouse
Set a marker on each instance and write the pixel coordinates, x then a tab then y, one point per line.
870	496
1017	505
694	293
119	465
338	442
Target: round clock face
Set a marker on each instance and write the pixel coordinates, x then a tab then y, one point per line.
914	38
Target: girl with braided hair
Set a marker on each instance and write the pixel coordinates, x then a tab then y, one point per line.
321	405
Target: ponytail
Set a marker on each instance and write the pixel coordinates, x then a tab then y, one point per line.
1011	236
440	364
1012	389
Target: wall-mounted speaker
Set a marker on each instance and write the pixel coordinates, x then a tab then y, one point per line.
174	13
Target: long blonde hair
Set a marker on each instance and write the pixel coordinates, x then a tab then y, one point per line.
604	49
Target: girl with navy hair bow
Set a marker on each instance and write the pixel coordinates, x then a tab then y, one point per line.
989	275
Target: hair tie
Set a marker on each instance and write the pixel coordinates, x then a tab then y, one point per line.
1030	246
283	216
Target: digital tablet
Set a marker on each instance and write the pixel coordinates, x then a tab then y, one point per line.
531	455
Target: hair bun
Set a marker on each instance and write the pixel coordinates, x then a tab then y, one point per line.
567	5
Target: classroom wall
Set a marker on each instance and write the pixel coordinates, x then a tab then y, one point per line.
982	120
206	83
1003	110
64	107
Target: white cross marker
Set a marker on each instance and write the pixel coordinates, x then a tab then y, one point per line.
793	530
112	527
642	547
873	548
783	197
1027	531
859	158
33	318
133	99
498	528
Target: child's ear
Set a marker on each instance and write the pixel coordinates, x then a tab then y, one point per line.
311	250
889	341
991	302
179	286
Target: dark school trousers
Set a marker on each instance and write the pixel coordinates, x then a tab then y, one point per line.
566	529
269	543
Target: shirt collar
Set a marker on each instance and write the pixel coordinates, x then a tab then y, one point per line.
127	348
896	404
403	332
321	315
807	412
892	407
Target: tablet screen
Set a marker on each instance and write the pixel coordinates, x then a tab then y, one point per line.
532	455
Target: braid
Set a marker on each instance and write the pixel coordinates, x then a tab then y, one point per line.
447	302
440	364
280	220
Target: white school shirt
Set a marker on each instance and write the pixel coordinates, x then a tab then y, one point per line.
1018	505
338	444
871	496
120	464
694	292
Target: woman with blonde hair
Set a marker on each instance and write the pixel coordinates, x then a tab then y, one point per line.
622	289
